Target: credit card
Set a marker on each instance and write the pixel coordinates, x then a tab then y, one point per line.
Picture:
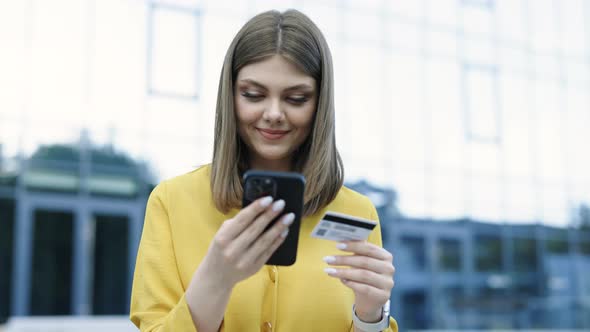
342	227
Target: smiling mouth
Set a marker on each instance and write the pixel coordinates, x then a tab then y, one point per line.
272	134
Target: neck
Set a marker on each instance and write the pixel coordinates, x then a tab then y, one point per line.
283	165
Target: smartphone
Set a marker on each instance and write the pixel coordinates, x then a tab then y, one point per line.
280	185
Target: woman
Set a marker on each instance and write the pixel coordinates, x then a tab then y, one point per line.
200	264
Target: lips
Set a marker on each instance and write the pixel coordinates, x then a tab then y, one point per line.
272	134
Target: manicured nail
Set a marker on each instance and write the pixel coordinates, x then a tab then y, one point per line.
329	259
330	271
284	233
288	219
278	205
266	201
341	246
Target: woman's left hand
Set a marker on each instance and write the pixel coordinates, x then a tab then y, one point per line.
369	274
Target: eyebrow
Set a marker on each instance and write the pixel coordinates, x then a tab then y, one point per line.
291	88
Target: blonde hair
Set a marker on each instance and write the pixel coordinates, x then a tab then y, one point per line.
294	36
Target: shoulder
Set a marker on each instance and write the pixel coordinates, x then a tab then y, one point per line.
193	183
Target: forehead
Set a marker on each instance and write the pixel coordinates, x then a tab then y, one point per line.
275	72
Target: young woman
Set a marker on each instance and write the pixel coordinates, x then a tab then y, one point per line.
201	261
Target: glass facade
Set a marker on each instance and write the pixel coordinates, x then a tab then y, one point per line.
471	109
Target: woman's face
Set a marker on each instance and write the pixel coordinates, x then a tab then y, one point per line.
275	104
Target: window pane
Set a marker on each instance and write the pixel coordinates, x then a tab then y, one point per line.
546	67
110	266
542	18
366	128
415	250
442	43
411	186
406	9
488	253
525	255
174	58
442	12
6	252
477	17
260	6
479	51
548	131
367	28
584	248
521	202
554	205
557	241
576	133
578	74
51	278
573	38
485	199
415	313
14	61
511	20
448	195
404	37
445	114
513	60
329	19
449	255
516	131
58	62
482	103
407	126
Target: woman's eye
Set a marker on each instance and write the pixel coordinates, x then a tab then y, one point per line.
297	100
252	96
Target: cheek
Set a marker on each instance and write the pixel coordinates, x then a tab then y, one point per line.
246	113
303	118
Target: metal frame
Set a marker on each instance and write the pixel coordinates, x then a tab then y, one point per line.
83	210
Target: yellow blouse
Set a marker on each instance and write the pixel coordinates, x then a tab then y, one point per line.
181	220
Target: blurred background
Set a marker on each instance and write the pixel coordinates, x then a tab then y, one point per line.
467	122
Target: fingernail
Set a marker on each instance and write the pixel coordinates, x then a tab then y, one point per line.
288	220
284	233
278	205
330	271
329	259
266	201
341	246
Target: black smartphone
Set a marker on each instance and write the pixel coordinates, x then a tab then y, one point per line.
280	185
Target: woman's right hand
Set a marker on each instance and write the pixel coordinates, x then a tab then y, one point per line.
241	247
238	250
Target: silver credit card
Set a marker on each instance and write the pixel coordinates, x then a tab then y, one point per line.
342	227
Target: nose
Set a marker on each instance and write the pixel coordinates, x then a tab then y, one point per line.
273	112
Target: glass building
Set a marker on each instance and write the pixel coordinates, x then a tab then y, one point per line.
474	111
